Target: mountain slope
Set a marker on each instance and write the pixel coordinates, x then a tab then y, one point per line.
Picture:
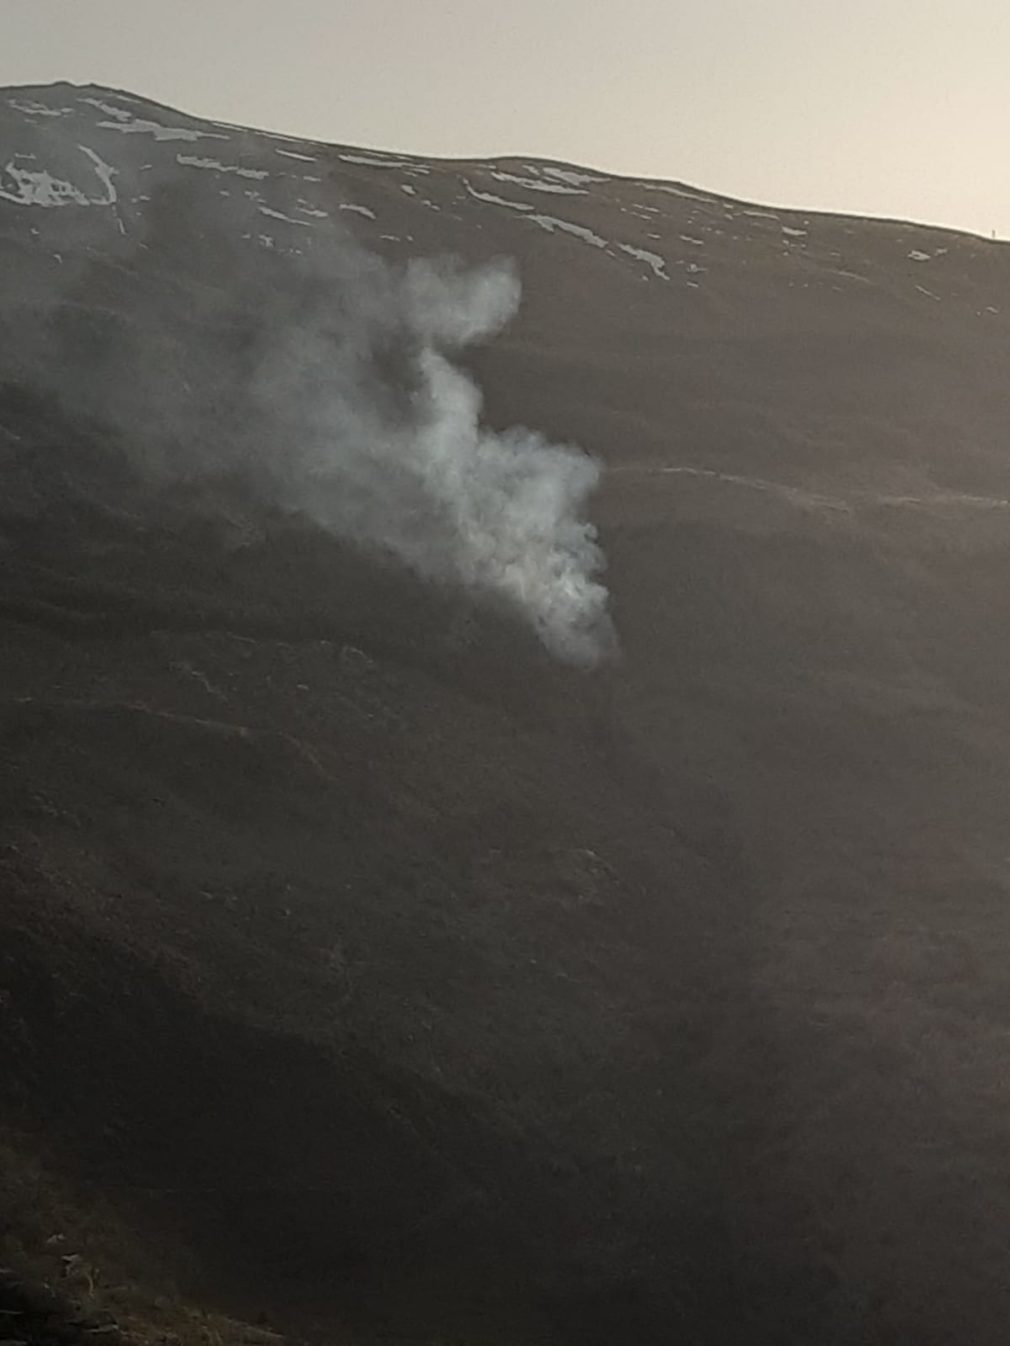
380	972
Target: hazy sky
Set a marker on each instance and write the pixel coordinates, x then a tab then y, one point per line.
883	107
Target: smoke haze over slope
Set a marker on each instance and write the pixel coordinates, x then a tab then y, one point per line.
323	379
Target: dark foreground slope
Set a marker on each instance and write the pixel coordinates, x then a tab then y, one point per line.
364	968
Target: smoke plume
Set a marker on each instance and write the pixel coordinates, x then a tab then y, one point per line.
326	383
381	441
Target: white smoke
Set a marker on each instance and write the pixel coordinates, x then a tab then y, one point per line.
326	384
500	513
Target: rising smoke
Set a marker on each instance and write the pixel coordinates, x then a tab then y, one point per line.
326	383
383	444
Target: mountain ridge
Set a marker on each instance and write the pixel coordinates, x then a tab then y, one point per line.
515	157
365	965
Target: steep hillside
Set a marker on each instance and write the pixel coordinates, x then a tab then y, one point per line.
395	943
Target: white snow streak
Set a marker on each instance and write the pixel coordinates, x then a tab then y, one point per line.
493	200
32	109
651	259
568	175
552	225
40	189
678	191
373	161
194	161
117	113
535	185
158	131
277	215
105	175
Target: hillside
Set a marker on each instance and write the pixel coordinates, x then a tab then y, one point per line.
404	937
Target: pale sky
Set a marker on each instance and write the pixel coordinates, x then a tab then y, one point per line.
881	107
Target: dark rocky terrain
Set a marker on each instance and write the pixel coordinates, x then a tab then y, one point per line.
368	973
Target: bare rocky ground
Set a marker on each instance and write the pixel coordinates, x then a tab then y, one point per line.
366	974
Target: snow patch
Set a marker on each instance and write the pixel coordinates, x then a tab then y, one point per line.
493	200
290	154
38	189
32	109
568	175
552	225
916	256
678	191
534	185
651	259
277	215
360	210
194	161
259	132
105	174
117	113
571	177
374	161
158	131
793	233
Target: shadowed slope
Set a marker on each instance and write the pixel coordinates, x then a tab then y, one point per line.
391	979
